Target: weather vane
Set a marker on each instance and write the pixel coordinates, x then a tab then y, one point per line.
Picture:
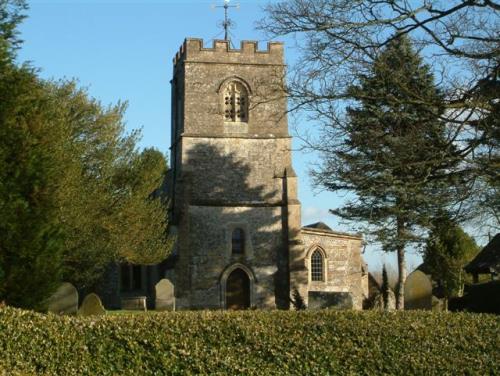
227	23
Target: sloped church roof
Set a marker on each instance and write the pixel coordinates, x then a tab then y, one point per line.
488	260
319	226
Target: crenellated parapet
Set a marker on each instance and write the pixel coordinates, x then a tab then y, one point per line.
193	50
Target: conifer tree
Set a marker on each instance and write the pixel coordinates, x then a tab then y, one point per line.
448	249
75	192
337	38
298	301
385	288
395	153
30	235
107	207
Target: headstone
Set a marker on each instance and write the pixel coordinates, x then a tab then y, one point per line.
64	301
418	291
378	302
165	298
134	303
91	305
334	300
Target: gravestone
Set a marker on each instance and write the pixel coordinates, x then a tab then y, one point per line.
64	301
418	291
378	302
334	300
134	303
91	305
165	298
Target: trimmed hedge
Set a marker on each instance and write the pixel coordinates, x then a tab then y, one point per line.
251	342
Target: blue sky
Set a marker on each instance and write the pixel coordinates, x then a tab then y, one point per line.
122	50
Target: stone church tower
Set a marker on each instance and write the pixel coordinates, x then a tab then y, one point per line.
234	196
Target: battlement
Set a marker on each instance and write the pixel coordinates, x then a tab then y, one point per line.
192	50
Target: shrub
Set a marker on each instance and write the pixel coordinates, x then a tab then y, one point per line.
250	342
297	301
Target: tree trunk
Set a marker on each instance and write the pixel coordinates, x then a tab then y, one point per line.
460	284
400	294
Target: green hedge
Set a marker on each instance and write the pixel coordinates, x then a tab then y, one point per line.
252	342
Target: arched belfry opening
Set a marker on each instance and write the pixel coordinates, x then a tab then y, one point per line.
238	290
235	102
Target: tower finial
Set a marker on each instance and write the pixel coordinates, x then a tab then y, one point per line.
227	23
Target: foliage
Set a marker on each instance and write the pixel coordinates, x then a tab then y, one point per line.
108	205
339	40
385	288
11	15
394	154
75	192
250	343
487	186
446	252
31	242
392	276
298	301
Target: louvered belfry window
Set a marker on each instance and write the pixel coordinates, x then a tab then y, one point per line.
235	103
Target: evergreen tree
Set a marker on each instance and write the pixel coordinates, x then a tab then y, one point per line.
447	250
30	235
395	155
385	288
107	207
298	301
336	39
75	192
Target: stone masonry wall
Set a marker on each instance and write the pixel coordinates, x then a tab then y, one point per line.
209	252
229	174
235	170
343	263
205	71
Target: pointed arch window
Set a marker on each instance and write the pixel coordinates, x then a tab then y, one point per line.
235	102
317	266
238	242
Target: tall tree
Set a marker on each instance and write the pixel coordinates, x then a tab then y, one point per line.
446	252
338	39
31	242
108	208
75	191
394	153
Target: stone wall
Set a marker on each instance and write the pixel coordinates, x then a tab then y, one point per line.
239	170
343	263
207	254
204	71
230	174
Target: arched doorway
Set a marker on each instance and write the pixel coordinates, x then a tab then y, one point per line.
238	290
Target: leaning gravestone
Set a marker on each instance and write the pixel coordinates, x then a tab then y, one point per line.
91	305
165	298
64	301
418	291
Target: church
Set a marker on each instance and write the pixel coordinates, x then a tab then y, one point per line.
233	194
